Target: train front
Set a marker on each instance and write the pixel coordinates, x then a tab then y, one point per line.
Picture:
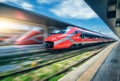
31	37
59	41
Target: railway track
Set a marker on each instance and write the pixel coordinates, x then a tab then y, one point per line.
68	68
26	57
50	60
17	50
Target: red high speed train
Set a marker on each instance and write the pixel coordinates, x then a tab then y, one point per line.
74	36
32	37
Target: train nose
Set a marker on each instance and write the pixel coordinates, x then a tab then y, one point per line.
18	43
31	37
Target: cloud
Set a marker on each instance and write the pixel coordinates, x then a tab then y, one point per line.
43	1
20	3
16	1
3	1
26	6
77	9
46	1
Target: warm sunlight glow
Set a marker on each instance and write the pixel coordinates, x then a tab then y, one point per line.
5	24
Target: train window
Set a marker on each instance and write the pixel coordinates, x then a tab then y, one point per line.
64	31
92	36
87	35
82	35
76	32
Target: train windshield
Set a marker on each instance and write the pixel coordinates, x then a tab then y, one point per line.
64	31
61	32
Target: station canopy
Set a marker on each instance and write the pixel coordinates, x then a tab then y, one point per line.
109	11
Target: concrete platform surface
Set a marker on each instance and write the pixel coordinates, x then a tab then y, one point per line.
86	71
110	69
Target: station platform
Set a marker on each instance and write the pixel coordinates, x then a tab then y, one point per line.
105	66
110	69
